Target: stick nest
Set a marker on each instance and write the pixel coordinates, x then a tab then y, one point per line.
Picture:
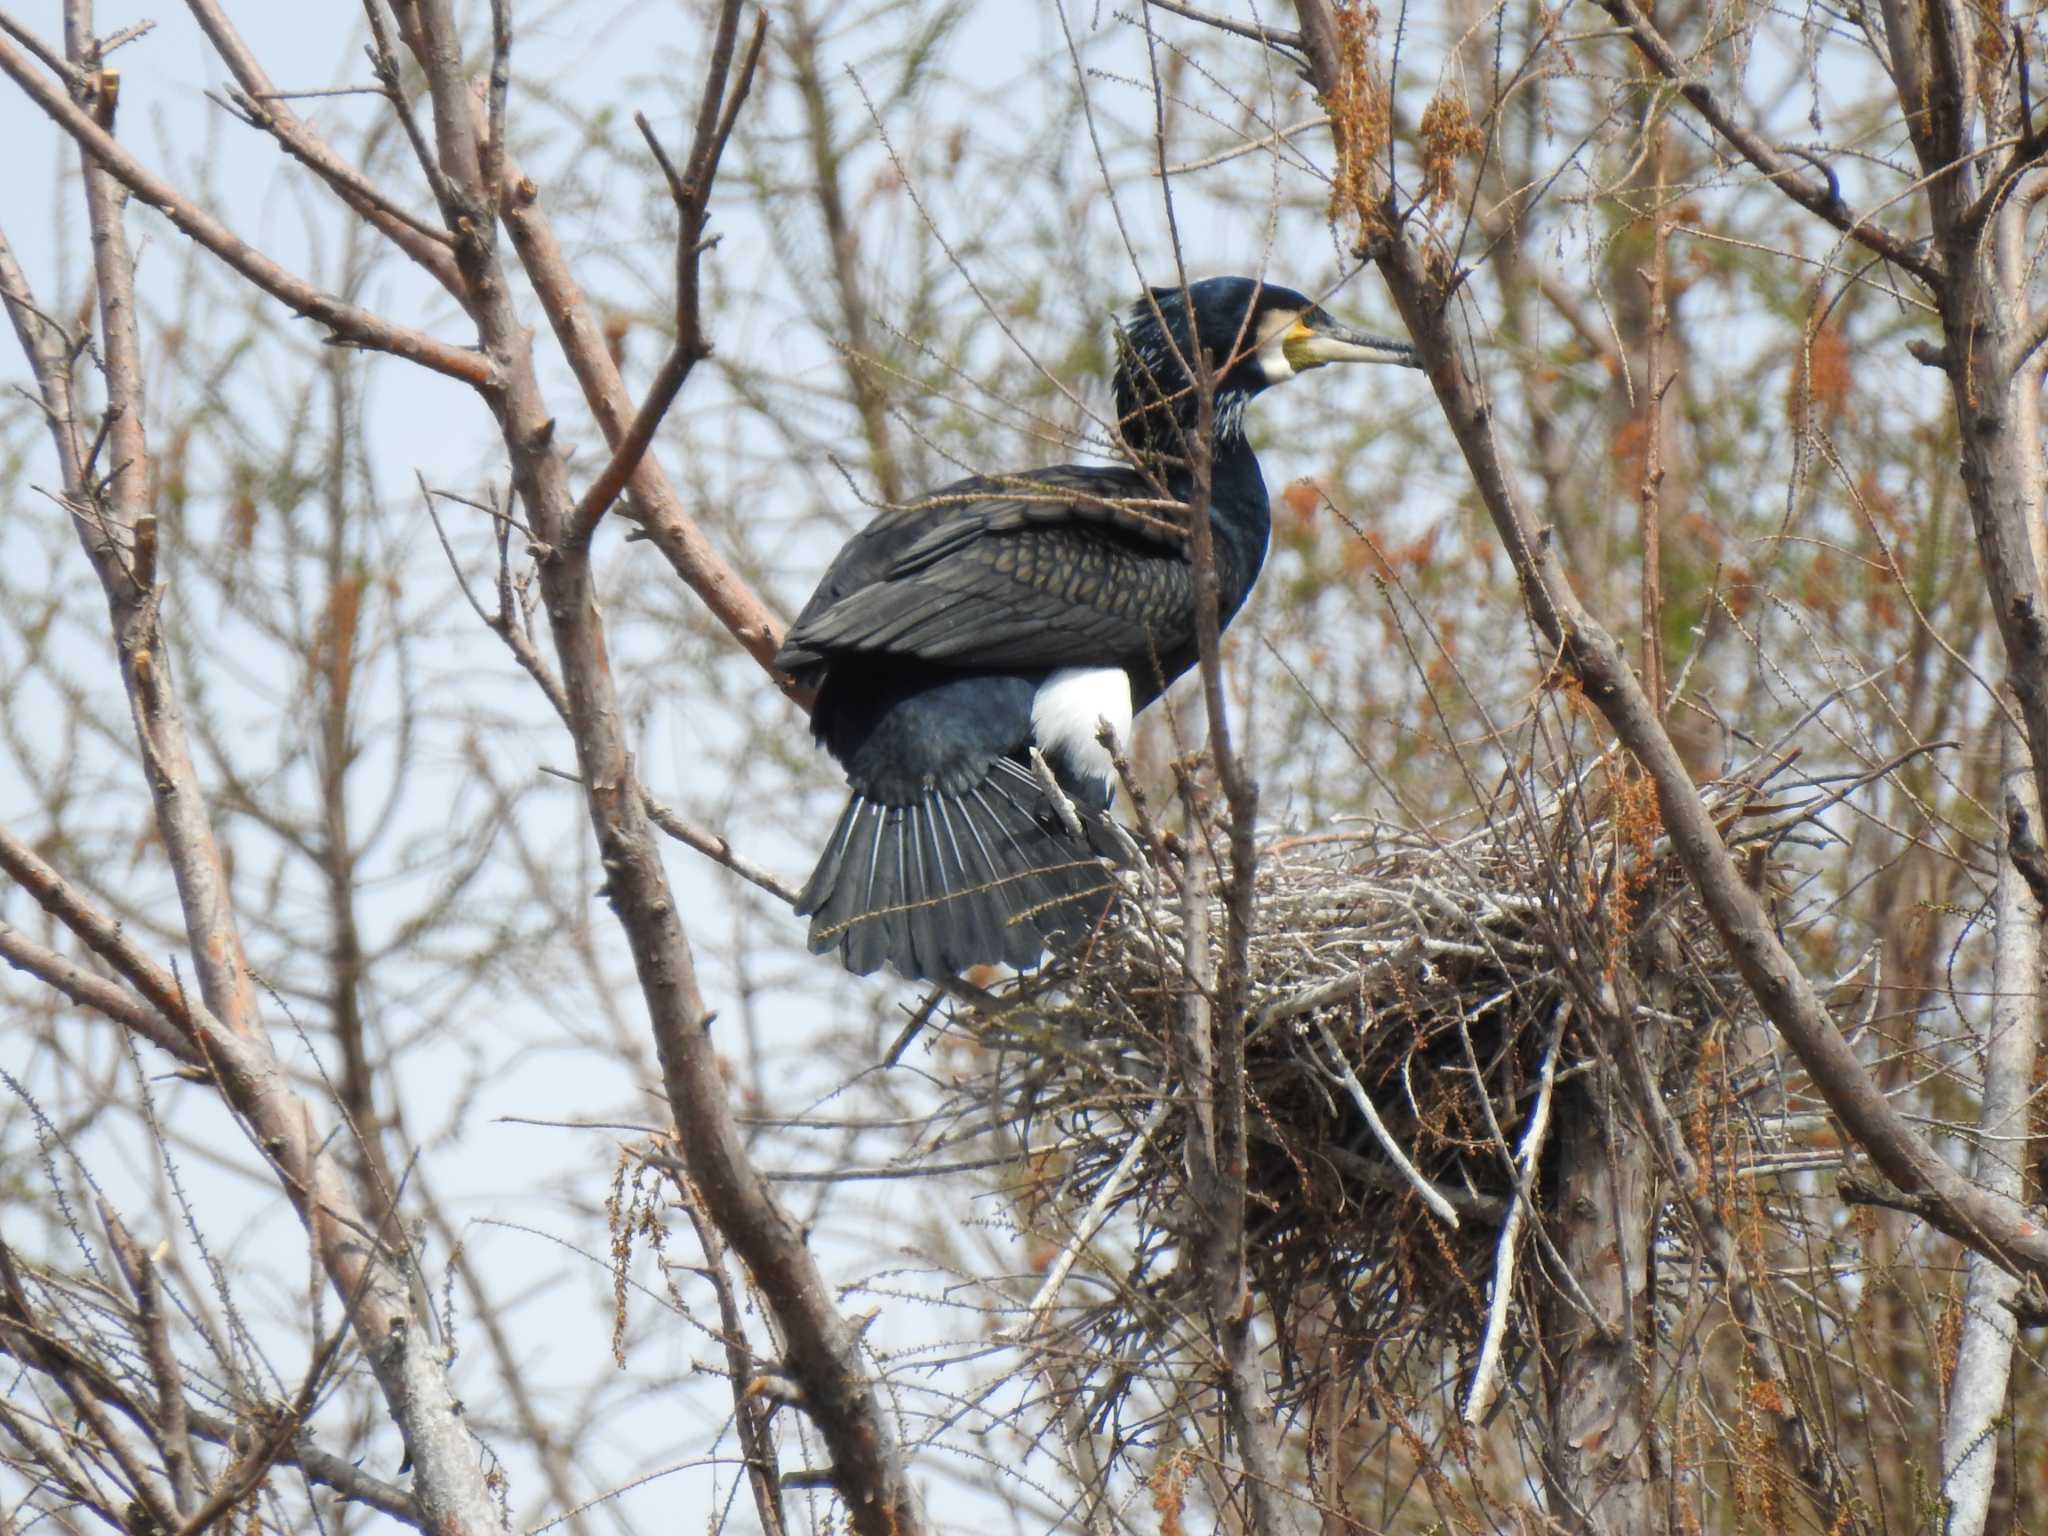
1432	976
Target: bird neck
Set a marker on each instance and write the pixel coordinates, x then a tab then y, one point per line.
1240	514
1160	424
1159	427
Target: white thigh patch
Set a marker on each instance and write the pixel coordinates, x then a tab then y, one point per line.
1068	712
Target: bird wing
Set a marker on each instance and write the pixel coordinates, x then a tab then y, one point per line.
1057	568
1070	495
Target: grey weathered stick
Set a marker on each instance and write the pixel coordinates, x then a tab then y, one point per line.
1341	1074
1981	1380
1983	1363
719	850
1486	1375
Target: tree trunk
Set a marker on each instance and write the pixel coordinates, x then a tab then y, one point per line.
1600	1472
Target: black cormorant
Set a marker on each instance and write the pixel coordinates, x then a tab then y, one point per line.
952	636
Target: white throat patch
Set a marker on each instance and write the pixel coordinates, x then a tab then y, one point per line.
1272	353
1068	712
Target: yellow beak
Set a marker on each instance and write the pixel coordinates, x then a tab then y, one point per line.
1307	347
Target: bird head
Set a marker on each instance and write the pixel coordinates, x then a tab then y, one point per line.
1254	334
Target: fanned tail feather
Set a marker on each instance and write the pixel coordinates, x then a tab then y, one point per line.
990	876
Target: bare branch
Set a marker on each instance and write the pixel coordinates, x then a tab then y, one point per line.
265	106
1346	1079
173	1426
654	501
718	849
692	194
750	1409
1486	1375
821	1348
352	326
1273	37
1983	1363
1819	195
94	992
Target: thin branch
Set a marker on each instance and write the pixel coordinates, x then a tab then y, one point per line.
1819	195
264	106
1272	37
172	1423
255	1462
1339	1072
718	849
350	325
692	194
653	499
72	76
26	1340
492	169
1091	1222
1220	1007
632	448
324	1468
385	66
1809	1455
750	1411
95	992
107	939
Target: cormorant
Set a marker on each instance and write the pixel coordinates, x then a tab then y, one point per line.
952	636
